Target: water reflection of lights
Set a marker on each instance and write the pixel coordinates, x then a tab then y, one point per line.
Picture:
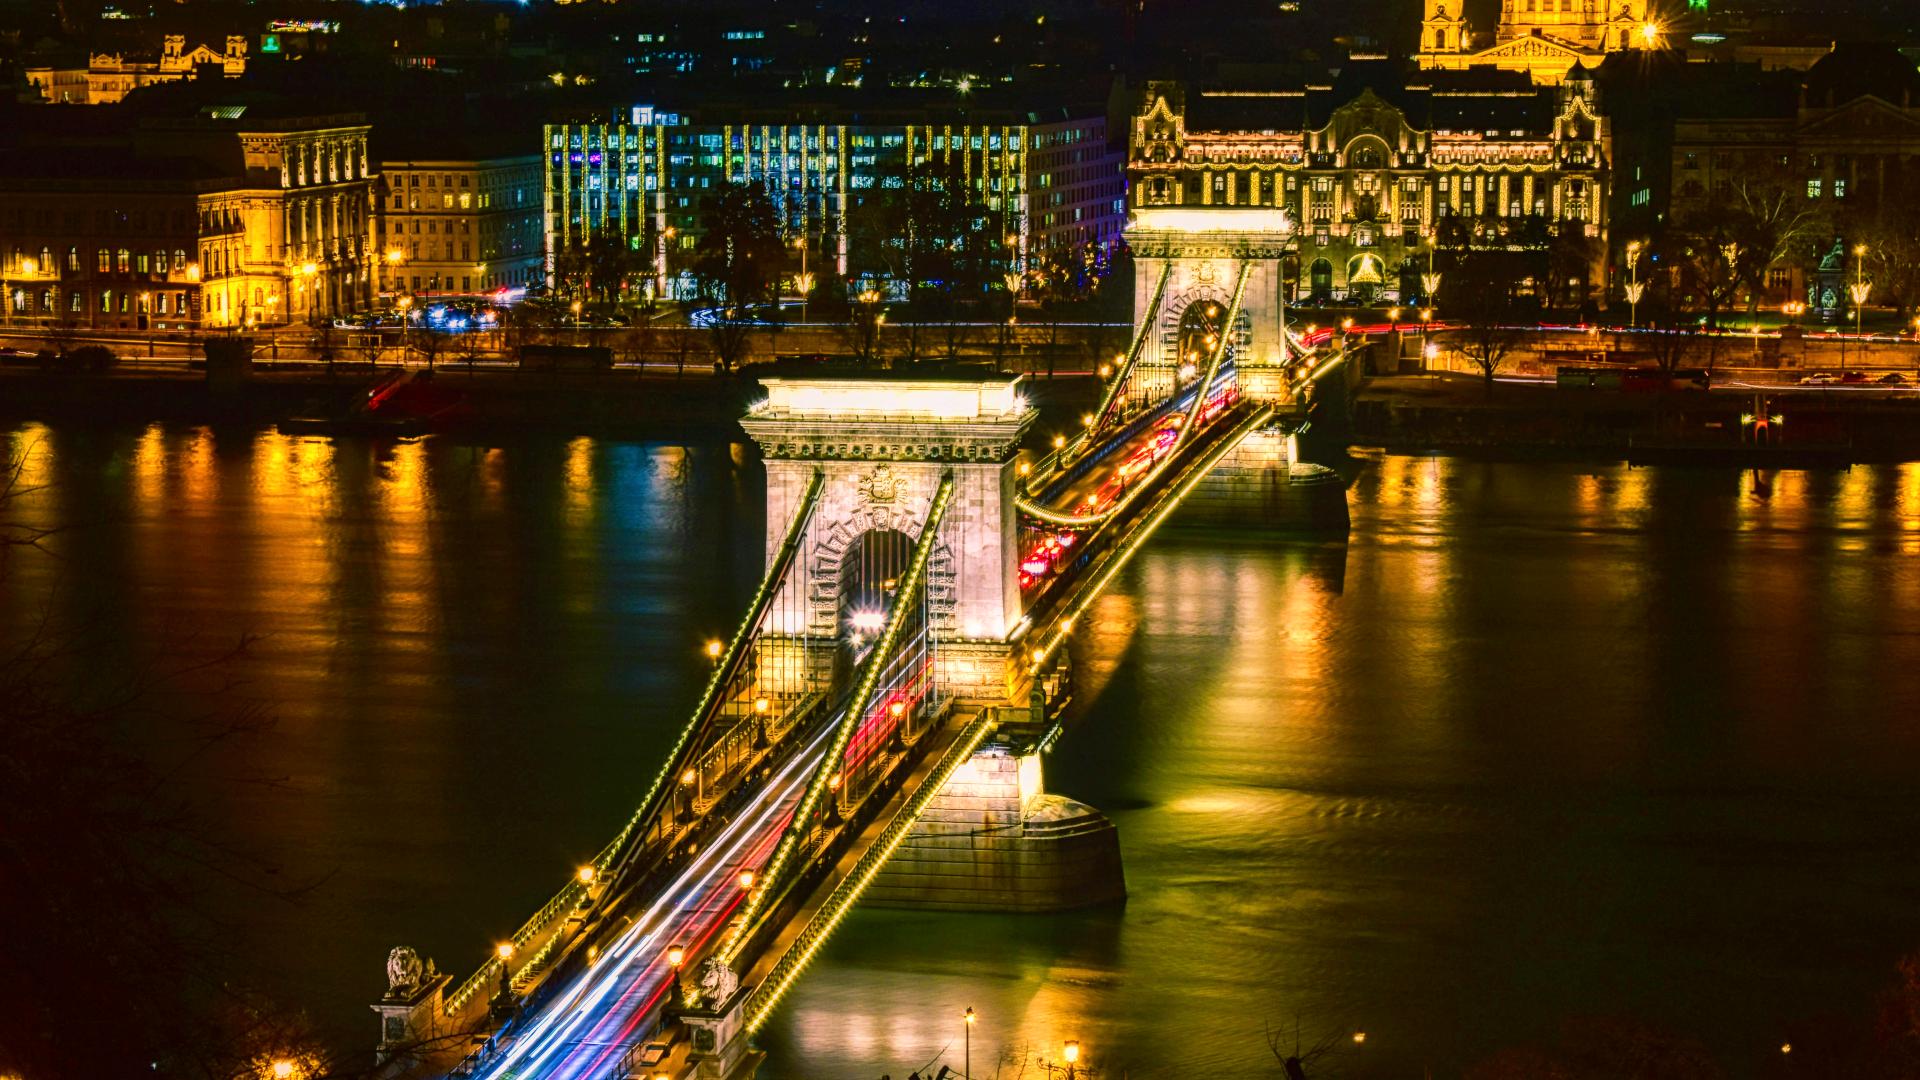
580	475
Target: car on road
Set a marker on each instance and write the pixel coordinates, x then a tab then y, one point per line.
1892	378
1854	378
1818	378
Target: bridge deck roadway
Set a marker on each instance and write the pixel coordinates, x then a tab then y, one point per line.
932	747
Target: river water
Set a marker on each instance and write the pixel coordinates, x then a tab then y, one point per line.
1541	741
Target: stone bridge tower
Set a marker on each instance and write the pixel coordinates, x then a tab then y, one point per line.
884	441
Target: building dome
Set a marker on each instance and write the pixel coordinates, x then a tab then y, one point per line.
1852	71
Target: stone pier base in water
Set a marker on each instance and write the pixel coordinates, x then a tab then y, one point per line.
1264	485
994	840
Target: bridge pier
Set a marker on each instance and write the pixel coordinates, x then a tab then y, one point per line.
993	839
1263	485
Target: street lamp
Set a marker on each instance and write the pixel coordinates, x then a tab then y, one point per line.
282	1069
968	1030
666	235
394	258
504	953
1860	288
1634	288
1071	1052
803	281
308	271
576	316
676	956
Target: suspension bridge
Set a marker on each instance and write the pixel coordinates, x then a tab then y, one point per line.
924	574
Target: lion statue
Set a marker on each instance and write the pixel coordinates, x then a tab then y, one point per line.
717	981
404	971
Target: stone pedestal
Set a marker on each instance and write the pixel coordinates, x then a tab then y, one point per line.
718	1037
410	1017
994	840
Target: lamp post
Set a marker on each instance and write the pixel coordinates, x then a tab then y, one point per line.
1634	288
676	956
308	271
967	1036
666	235
1426	319
406	316
869	299
576	316
1071	1052
504	953
803	281
1860	288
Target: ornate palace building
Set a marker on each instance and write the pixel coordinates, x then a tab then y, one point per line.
1545	38
1368	166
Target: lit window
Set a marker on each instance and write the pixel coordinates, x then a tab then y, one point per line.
1813	188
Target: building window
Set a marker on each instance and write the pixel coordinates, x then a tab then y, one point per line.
73	259
1813	188
106	261
1839	189
122	258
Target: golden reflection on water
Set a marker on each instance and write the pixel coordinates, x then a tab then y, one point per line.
579	480
150	465
30	455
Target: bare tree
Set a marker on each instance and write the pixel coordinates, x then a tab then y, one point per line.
468	346
730	337
1295	1059
431	342
1479	295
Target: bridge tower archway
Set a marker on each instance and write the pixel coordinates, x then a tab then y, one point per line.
1201	251
884	444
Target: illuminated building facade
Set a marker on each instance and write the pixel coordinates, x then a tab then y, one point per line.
1055	183
110	77
1544	38
193	222
458	226
1368	167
